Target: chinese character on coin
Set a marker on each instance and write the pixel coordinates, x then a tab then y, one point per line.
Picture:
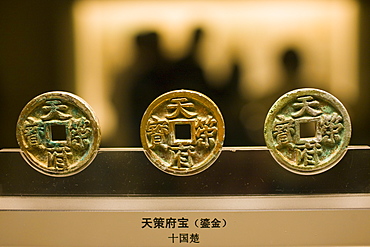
182	132
307	131
58	134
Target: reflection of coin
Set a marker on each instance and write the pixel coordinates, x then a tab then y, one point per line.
182	132
307	131
58	134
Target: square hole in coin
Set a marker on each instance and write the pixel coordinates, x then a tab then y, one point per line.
308	129
182	131
58	132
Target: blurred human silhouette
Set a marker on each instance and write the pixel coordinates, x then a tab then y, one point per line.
254	113
152	74
290	64
144	73
230	101
186	73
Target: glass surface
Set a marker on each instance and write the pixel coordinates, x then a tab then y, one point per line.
237	172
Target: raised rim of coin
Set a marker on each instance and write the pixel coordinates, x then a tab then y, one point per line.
160	155
39	153
331	138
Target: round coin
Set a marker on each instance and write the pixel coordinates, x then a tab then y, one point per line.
58	134
182	132
307	131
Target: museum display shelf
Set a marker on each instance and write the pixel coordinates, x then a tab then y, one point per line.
239	171
254	199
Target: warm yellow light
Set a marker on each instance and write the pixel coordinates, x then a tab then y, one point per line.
324	31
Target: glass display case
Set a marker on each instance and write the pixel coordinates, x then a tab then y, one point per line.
119	56
244	198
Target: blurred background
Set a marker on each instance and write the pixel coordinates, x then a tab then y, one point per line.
120	55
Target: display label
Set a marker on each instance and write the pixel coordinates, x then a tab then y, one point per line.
184	230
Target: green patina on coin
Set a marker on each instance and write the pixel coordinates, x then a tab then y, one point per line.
307	131
58	134
182	132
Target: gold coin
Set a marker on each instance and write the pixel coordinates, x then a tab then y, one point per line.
307	131
58	134
182	132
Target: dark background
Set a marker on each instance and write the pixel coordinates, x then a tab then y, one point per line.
36	56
